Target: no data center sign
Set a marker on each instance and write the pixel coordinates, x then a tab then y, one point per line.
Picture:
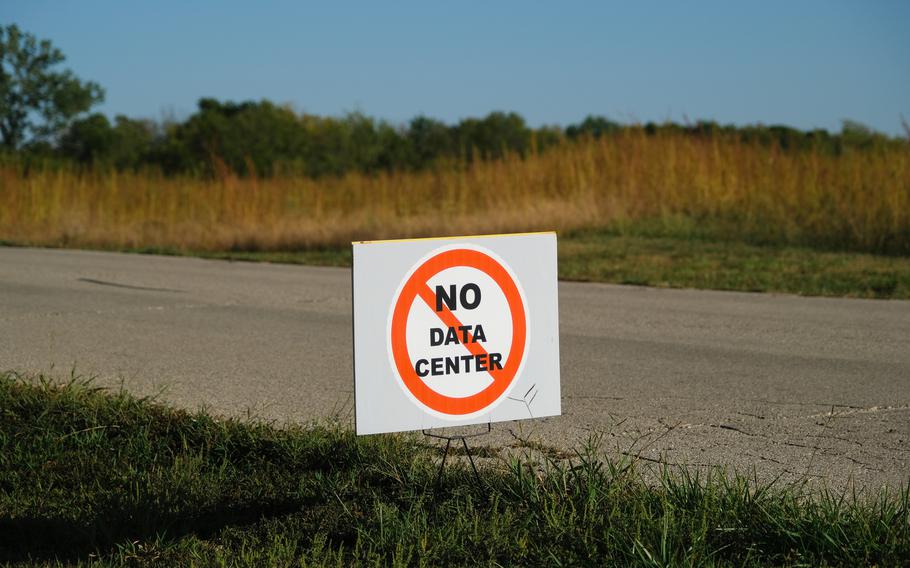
455	331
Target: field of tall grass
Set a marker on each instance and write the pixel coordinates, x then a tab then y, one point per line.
673	184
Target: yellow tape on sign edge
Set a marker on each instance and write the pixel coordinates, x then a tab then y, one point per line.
454	237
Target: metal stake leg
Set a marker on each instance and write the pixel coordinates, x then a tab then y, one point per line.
442	463
471	459
467	451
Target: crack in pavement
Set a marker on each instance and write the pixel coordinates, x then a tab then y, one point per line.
863	410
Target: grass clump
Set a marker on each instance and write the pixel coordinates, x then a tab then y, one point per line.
95	477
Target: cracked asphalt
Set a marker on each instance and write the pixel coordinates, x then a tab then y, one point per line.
779	387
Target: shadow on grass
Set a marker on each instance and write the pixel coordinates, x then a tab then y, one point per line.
37	538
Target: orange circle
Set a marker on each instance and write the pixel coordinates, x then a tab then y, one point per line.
503	377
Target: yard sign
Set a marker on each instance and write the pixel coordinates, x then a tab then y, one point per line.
455	331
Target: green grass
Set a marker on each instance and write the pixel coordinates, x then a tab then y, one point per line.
95	477
648	258
697	262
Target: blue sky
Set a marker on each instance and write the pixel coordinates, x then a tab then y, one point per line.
803	63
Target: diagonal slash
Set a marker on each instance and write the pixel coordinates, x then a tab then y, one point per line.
451	320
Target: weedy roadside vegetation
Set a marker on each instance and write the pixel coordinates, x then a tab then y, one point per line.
679	185
660	209
97	477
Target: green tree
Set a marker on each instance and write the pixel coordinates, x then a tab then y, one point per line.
593	126
430	140
89	140
858	135
493	136
247	138
37	101
127	144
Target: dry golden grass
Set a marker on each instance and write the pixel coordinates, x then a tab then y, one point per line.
859	200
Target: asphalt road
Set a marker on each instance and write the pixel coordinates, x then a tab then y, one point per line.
803	388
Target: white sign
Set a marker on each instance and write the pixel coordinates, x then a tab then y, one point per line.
455	331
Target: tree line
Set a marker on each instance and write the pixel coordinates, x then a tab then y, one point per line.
44	116
265	139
